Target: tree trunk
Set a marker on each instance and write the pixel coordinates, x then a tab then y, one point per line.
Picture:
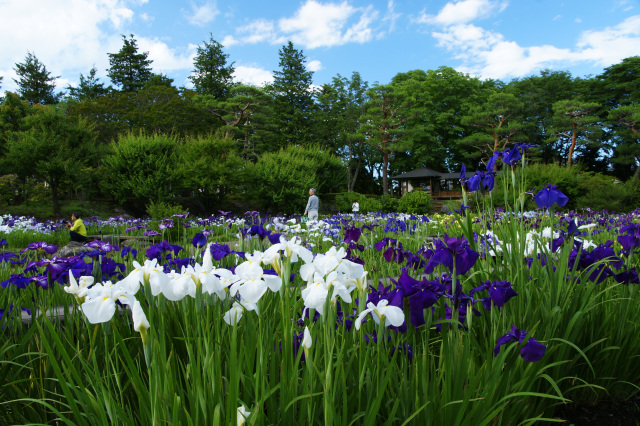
352	184
574	136
385	166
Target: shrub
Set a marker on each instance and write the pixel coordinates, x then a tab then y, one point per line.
143	166
370	205
162	210
390	204
284	178
344	201
415	202
601	192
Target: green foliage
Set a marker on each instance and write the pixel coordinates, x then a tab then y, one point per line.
293	102
211	168
370	205
129	69
162	210
584	189
211	74
390	204
9	186
344	201
35	83
416	202
55	148
283	179
89	87
601	192
145	167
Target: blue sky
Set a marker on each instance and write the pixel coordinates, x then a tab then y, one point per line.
500	39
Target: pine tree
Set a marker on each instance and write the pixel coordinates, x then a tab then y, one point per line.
35	84
294	104
89	87
129	69
211	74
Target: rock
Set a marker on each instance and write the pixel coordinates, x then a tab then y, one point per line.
71	249
111	239
445	209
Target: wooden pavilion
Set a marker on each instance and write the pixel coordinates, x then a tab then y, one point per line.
440	185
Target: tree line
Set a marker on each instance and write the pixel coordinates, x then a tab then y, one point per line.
366	132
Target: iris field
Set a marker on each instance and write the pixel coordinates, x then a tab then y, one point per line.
481	317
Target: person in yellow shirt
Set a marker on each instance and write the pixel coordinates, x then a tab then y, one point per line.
77	231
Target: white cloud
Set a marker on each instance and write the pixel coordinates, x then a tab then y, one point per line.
229	41
252	75
489	54
391	16
202	14
257	31
314	66
313	25
71	36
64	35
577	20
165	58
322	25
463	11
612	44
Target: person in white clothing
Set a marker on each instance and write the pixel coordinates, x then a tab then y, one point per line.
355	208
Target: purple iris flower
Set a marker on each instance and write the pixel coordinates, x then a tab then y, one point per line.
274	238
550	195
165	223
259	231
3	242
532	351
40	281
491	164
220	251
7	257
102	246
18	280
500	292
511	156
422	295
383	242
126	250
352	234
452	251
41	245
629	276
199	240
151	233
394	296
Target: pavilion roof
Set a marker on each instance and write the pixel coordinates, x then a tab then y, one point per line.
423	172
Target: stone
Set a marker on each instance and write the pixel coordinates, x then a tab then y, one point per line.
445	209
71	249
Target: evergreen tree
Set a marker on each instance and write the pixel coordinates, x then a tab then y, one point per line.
211	74
35	83
293	99
129	69
89	87
574	121
54	147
